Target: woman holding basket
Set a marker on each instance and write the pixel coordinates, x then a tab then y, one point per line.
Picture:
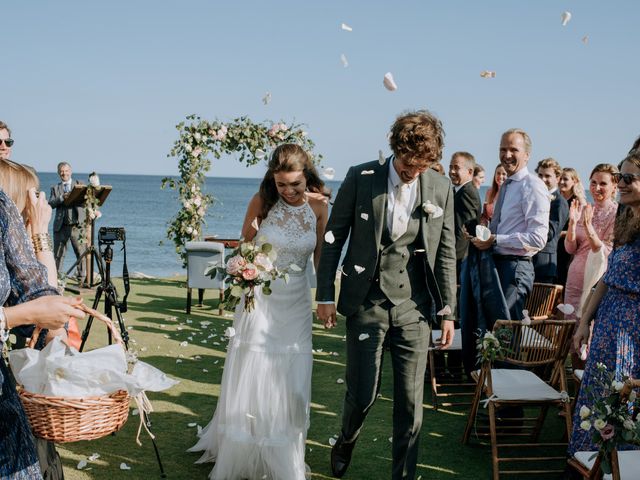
29	301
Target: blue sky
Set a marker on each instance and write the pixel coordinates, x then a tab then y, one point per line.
102	84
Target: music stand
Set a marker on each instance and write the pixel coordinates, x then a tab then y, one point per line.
76	198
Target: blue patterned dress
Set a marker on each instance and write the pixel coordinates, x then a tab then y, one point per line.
616	332
22	279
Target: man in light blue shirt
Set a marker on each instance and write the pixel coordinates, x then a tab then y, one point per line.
520	223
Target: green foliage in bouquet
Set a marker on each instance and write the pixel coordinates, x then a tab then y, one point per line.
493	345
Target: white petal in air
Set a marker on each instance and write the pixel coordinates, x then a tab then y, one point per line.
367	172
583	352
346	27
295	268
260	154
566	16
332	441
267	98
230	332
343	59
124	466
381	159
487	74
388	82
526	320
81	464
329	173
364	216
339	381
363	336
566	308
329	238
94	457
445	311
482	233
358	268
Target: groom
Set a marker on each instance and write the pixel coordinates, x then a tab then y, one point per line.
399	269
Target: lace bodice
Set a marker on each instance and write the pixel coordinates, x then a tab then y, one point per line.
292	233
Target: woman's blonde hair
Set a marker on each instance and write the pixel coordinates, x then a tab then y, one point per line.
16	179
577	190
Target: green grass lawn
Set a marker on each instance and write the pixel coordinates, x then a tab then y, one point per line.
158	324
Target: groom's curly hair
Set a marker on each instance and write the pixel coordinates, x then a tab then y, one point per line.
417	137
287	157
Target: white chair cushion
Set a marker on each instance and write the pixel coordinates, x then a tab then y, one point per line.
578	374
457	339
521	385
628	460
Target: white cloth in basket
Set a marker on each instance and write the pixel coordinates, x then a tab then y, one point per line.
99	372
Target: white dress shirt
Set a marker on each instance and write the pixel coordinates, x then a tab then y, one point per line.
524	220
393	183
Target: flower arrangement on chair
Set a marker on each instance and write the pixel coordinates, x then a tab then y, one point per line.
611	414
493	345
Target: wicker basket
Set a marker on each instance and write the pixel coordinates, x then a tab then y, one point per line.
62	419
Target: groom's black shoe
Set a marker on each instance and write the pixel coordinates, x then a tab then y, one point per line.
341	456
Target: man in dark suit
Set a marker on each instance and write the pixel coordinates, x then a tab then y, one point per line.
467	205
545	261
398	269
68	222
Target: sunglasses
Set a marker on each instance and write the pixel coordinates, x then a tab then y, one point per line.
7	141
628	178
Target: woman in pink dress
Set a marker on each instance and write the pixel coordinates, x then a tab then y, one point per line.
590	238
499	176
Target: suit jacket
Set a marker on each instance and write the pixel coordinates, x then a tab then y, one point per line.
359	214
467	209
546	260
56	200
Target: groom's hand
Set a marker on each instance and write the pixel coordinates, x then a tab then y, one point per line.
447	334
326	313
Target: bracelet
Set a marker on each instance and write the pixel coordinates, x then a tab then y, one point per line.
4	328
41	242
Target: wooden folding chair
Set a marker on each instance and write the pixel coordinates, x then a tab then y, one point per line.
625	465
532	347
543	300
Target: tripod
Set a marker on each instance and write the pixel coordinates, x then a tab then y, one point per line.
111	303
91	252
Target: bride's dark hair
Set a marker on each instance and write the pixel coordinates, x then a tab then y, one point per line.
287	157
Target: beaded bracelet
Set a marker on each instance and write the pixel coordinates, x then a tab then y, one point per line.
41	242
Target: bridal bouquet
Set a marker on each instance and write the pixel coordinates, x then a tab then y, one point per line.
249	266
610	414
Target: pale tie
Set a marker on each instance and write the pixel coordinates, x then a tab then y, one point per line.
67	187
400	211
497	211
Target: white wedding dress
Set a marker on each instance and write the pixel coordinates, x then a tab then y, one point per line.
259	428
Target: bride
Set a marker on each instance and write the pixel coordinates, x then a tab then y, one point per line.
259	427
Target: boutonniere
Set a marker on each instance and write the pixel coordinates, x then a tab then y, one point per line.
432	210
552	197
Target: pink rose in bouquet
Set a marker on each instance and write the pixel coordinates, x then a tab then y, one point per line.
235	265
250	272
607	432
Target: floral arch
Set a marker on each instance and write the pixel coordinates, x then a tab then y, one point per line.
198	140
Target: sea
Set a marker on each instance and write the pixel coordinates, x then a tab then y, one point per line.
139	205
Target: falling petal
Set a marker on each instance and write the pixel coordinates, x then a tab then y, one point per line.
363	336
381	159
260	154
358	269
346	27
566	308
191	425
388	82
583	352
566	16
445	311
332	441
248	415
585	39
335	354
295	268
340	381
204	370
329	238
390	439
184	344
94	457
198	430
124	466
81	464
343	59
367	172
267	98
230	332
178	360
329	173
487	74
364	216
135	412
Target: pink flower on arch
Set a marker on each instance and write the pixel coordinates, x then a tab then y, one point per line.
250	272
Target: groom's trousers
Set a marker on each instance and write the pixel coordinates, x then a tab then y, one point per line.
405	330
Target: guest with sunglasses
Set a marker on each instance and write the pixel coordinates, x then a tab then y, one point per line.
67	224
6	142
614	306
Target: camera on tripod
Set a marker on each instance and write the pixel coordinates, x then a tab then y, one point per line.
108	235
